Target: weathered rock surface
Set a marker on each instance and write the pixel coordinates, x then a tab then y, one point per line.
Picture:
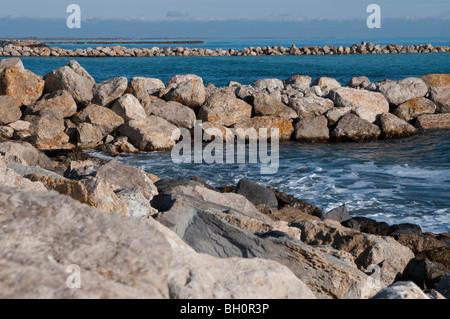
298	82
267	124
6	63
264	104
142	88
360	82
444	286
367	105
257	194
190	93
413	108
398	92
9	109
89	135
310	106
392	127
177	114
10	178
367	249
146	137
327	83
433	121
224	109
109	90
353	128
72	78
401	290
59	101
211	130
440	95
101	117
24	153
336	113
268	83
312	129
47	126
22	84
129	108
436	79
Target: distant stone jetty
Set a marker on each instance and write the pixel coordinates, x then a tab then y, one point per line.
18	48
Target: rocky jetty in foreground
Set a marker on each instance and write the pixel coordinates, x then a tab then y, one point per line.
18	48
136	235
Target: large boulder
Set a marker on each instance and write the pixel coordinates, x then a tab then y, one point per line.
327	83
398	92
411	109
190	93
433	121
367	105
436	79
89	135
336	113
310	106
122	176
47	126
367	249
325	275
24	153
392	127
312	129
9	109
224	109
177	79
74	79
9	177
129	108
143	88
440	95
401	290
353	128
6	63
24	85
146	137
265	123
268	83
360	82
100	116
59	101
265	104
109	90
298	82
257	194
176	113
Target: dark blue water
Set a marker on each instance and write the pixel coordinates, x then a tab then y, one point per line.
394	181
246	70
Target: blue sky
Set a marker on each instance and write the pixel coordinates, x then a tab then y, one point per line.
202	10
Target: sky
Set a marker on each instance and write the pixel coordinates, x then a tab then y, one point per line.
225	18
229	9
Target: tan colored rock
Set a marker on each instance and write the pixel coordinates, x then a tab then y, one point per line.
6	63
440	95
312	129
20	125
10	178
177	79
398	92
265	105
328	83
353	128
411	109
60	142
367	105
145	137
100	116
267	124
143	88
290	214
310	106
24	153
6	132
129	108
176	113
336	113
89	135
268	83
211	130
60	101
298	82
24	85
433	121
392	127
46	127
9	109
190	93
436	79
365	248
401	290
224	109
109	90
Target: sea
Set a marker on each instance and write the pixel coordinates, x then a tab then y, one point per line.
401	181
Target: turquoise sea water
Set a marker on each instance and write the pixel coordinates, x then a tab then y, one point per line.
393	181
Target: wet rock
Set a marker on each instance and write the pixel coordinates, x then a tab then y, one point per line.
411	109
398	92
392	127
72	78
433	121
401	290
129	108
353	128
373	227
286	200
109	90
367	105
339	214
424	273
310	106
9	109
257	194
22	84
267	124
312	129
224	109
264	104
